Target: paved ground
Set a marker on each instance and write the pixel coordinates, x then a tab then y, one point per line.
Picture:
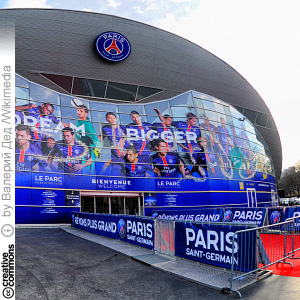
53	264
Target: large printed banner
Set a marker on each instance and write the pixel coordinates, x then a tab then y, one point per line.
200	215
214	245
292	212
250	215
135	230
170	146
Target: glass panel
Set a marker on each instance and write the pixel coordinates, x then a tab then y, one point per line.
262	119
89	87
250	114
144	92
102	205
117	205
64	82
227	110
208	105
182	100
220	108
271	123
98	111
181	112
22	93
200	112
71	101
152	115
125	111
132	206
198	103
87	204
43	95
237	113
19	81
121	91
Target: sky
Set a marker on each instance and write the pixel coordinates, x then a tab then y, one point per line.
258	38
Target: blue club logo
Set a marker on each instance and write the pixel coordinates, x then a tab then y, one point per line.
113	46
275	217
73	219
228	216
122	228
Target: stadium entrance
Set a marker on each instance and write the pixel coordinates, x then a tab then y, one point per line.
112	203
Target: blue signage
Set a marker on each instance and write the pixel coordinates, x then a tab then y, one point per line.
293	212
250	215
200	215
214	245
135	230
113	46
105	225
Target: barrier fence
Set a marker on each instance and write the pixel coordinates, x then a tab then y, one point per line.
274	244
232	255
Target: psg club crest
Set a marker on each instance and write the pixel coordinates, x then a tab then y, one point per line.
275	217
228	216
122	228
113	46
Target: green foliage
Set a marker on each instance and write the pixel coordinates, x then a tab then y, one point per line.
290	180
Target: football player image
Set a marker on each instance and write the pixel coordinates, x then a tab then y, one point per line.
246	148
238	160
89	137
28	156
134	166
70	155
42	114
115	134
208	161
137	135
190	131
209	128
48	146
223	134
164	129
169	164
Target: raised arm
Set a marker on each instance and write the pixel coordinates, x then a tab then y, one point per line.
159	114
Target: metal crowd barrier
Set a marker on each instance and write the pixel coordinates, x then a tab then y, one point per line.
274	244
165	237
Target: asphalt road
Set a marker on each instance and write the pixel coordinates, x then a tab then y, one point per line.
54	265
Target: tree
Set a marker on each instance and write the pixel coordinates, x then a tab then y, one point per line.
290	180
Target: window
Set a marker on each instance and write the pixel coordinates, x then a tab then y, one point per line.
250	114
262	119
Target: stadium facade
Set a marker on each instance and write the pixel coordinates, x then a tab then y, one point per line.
115	116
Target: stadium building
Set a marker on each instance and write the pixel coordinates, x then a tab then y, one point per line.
115	116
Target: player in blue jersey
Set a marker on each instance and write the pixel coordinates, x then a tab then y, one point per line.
223	134
41	116
115	134
134	166
210	129
71	156
28	157
164	130
169	164
208	161
187	134
138	134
